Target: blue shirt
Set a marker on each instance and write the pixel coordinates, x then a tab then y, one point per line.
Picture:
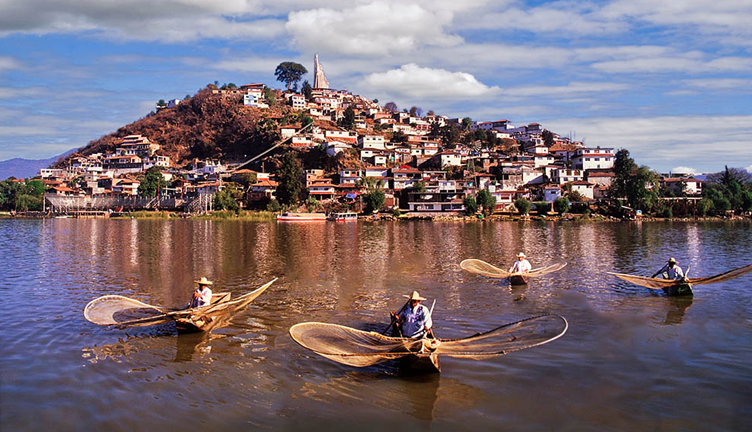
415	321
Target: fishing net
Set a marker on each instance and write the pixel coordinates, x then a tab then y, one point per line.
654	283
123	311
119	310
360	348
483	268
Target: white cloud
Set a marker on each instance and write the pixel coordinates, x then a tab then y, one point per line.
379	28
8	63
749	169
704	142
716	84
574	88
19	92
414	81
564	20
683	170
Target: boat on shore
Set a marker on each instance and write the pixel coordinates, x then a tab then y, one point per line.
343	217
301	217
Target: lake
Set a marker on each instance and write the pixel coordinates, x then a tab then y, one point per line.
632	359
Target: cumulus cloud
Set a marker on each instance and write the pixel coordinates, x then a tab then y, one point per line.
378	28
683	170
167	21
665	142
414	81
8	63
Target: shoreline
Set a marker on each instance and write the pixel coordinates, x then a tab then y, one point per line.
261	216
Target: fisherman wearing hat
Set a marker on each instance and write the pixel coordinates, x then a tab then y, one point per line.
522	265
671	270
414	320
202	295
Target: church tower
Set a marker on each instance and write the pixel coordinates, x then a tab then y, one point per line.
319	79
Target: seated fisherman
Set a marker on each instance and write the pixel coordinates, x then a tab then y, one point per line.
522	265
671	270
414	320
202	295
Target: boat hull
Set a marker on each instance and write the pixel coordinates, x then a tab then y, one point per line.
301	217
518	280
679	289
421	363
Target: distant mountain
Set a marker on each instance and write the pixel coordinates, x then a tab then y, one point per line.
26	168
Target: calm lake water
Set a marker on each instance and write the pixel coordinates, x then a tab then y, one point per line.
632	359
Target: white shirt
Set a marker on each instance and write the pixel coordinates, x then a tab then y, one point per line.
204	297
416	320
521	266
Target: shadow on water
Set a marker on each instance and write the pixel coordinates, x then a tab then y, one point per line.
160	339
677	307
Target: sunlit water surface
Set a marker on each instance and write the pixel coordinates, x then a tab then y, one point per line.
632	359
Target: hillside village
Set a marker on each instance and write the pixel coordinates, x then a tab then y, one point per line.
425	164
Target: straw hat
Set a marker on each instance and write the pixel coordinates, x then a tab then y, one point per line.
204	281
415	296
521	254
673	260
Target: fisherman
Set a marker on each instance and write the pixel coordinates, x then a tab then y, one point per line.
203	294
522	265
671	270
414	319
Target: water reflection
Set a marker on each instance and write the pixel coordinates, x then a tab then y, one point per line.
677	307
186	347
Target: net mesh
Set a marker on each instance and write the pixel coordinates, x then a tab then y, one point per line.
361	348
654	283
483	268
127	312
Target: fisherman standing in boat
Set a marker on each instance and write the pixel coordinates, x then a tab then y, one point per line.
203	294
671	270
414	319
522	265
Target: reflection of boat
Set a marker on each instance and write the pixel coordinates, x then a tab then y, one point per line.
485	269
343	217
119	311
681	286
363	348
301	217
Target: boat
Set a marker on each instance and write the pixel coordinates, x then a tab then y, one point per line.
343	217
681	287
301	217
361	348
485	269
120	311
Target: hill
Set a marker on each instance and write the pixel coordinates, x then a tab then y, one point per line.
26	168
204	126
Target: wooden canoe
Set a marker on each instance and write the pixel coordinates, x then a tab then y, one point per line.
518	279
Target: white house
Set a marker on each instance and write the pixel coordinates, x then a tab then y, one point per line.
593	158
371	141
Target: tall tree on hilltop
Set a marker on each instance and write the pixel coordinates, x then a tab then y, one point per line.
548	138
290	73
289	177
152	182
348	119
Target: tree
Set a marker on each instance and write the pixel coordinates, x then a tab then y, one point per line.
152	182
416	111
391	107
289	173
419	186
523	206
226	199
548	138
467	123
399	137
290	73
471	206
307	90
561	205
348	119
487	201
374	200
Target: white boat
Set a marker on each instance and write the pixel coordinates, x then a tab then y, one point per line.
301	217
343	217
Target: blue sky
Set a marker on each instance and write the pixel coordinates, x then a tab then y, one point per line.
669	80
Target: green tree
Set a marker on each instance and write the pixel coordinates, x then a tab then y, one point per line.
561	205
471	205
487	201
548	138
523	206
289	176
307	90
467	123
312	203
419	186
152	182
290	73
374	200
416	111
348	119
399	137
226	199
274	206
391	107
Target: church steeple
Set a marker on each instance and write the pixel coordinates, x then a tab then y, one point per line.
319	79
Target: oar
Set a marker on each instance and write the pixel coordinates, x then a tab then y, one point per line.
394	318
